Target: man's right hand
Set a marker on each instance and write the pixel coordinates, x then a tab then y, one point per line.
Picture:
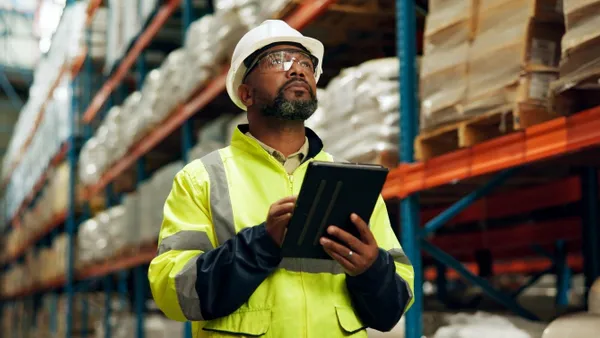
278	218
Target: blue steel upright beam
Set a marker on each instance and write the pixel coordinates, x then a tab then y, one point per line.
501	298
139	274
590	227
563	274
465	202
409	208
107	281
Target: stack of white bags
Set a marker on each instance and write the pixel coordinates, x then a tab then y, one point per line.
208	45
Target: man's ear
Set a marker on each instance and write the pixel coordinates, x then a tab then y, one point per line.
245	93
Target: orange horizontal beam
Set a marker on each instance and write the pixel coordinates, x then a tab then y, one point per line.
55	223
510	203
557	137
306	12
99	270
524	266
129	60
123	263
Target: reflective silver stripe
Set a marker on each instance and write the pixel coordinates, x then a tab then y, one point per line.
187	296
220	200
311	265
185	240
399	256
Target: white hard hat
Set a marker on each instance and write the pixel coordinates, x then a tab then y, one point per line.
269	32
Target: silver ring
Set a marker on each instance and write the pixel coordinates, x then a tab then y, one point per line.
350	254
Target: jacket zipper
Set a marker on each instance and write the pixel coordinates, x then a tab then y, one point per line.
291	180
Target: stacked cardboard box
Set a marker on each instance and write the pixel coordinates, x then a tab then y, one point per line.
480	55
443	73
514	55
580	59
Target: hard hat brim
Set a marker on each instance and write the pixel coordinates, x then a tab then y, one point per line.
237	69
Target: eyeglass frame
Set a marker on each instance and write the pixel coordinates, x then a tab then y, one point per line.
260	57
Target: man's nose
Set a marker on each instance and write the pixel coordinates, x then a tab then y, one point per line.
296	70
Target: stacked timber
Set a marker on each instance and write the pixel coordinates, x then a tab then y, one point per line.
486	70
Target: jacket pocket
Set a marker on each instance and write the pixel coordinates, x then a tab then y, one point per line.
348	319
248	323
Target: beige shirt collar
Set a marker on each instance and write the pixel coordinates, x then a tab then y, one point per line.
291	162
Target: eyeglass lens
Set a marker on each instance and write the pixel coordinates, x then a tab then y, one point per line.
283	61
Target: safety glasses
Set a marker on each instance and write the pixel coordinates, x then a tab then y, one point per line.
282	61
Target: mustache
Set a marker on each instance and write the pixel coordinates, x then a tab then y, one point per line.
296	80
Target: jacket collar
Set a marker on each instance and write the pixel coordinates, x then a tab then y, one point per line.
246	143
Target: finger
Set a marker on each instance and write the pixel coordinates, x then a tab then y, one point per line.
344	262
351	241
282	209
289	199
340	250
365	233
282	220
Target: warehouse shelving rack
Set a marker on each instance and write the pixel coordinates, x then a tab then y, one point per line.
559	137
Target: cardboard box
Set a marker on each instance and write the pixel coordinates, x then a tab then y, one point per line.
513	38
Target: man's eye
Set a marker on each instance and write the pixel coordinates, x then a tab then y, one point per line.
275	61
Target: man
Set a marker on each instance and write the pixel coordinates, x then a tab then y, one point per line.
219	261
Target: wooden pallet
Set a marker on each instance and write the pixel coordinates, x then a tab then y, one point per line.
583	92
483	127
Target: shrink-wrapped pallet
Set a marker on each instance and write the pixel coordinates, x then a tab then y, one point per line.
513	37
129	112
211	137
173	70
249	11
60	247
448	30
198	44
153	194
131	218
367	98
150	111
58	192
146	212
89	248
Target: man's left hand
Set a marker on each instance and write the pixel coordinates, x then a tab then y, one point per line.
355	255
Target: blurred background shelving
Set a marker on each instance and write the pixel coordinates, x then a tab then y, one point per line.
493	151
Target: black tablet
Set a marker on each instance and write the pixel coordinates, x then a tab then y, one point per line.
330	193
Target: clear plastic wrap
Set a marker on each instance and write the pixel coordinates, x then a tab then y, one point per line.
366	97
173	69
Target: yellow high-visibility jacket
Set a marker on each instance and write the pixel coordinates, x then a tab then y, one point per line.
217	266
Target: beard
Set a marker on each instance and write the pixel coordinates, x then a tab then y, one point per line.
291	110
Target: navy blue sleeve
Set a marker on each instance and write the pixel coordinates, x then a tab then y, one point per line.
379	295
228	275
